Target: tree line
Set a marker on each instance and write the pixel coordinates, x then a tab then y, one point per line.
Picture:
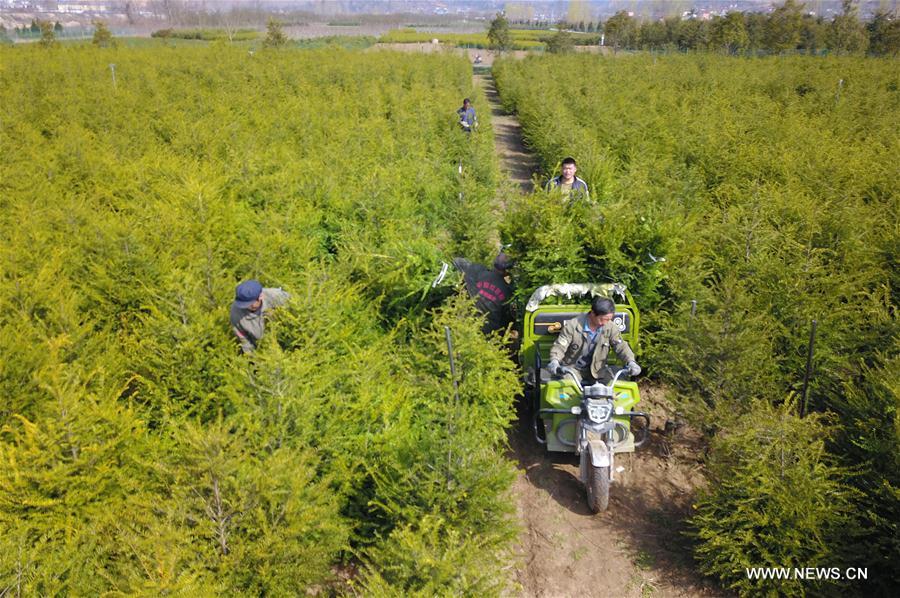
787	28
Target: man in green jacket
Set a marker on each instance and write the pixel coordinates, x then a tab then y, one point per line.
583	344
251	304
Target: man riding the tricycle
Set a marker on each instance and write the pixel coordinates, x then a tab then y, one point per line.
584	342
580	404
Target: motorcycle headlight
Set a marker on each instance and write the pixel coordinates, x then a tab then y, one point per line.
599	412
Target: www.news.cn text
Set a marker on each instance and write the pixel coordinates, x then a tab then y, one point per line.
808	573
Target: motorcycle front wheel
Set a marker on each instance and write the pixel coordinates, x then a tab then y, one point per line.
598	488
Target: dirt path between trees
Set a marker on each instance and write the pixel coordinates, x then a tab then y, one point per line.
637	547
517	163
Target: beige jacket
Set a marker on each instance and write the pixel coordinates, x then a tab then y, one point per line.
250	325
573	339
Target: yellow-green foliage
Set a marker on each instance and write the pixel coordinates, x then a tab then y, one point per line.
208	35
774	501
770	188
522	39
139	453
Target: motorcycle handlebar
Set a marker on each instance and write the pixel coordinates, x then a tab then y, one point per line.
571	372
616	376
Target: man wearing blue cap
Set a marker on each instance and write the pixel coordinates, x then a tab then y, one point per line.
251	304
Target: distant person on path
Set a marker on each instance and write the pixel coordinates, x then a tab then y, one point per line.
567	183
489	288
467	119
584	343
251	304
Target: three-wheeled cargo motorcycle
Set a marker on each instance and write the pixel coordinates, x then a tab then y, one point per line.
593	421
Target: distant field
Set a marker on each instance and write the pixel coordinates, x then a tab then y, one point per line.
250	40
209	34
471	35
523	39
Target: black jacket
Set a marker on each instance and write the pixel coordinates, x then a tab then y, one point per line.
490	290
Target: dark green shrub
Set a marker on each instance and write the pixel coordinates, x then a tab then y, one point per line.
275	37
869	441
102	35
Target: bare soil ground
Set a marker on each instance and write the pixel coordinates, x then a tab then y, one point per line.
638	546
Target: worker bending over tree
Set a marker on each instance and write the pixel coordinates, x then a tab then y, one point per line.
490	289
248	311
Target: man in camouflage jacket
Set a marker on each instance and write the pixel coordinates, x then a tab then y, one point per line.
583	344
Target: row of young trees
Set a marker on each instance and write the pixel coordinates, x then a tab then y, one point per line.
45	31
102	36
764	194
582	26
139	452
33	30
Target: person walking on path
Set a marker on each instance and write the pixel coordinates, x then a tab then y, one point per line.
248	311
567	183
467	119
